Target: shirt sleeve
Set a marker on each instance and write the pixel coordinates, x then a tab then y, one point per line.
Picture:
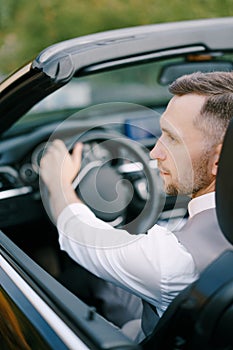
145	264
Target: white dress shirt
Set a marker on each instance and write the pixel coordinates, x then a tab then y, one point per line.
154	266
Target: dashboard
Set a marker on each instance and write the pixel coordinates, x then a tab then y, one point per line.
20	156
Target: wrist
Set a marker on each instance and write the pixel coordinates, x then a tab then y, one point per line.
63	197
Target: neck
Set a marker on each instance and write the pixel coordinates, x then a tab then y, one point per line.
208	189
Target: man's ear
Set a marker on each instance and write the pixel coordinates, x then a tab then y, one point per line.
216	159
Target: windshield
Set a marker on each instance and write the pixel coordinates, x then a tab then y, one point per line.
143	84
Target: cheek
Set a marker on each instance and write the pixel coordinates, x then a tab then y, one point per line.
181	162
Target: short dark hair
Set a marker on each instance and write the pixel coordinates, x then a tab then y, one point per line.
217	109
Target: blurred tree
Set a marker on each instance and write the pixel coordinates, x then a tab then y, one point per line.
26	27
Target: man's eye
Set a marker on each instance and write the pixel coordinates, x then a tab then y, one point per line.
171	138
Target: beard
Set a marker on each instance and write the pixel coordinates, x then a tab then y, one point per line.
195	179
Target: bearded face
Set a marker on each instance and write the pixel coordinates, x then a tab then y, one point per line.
184	160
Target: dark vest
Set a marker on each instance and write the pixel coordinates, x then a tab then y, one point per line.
202	237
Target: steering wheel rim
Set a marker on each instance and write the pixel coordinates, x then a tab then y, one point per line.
153	205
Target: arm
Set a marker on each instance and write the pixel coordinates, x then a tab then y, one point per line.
143	264
89	241
154	266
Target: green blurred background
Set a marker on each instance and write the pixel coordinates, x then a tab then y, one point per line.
27	26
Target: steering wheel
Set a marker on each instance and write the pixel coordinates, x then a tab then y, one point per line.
103	182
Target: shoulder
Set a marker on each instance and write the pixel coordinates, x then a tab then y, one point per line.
174	257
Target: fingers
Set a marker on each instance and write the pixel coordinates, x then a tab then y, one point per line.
77	154
57	146
52	158
57	160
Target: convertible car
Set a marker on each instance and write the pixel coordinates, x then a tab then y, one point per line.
107	90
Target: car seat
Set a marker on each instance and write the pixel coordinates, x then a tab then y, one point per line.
201	316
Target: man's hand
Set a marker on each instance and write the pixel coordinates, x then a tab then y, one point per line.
58	168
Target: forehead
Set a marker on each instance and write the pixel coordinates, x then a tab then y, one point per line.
180	113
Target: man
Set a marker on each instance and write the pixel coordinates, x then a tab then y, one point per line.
158	265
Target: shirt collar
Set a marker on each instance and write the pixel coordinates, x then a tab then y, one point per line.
201	203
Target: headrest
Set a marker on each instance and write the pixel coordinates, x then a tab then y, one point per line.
224	186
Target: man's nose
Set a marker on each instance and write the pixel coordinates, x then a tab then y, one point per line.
158	152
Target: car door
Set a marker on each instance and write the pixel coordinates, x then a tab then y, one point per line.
39	313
